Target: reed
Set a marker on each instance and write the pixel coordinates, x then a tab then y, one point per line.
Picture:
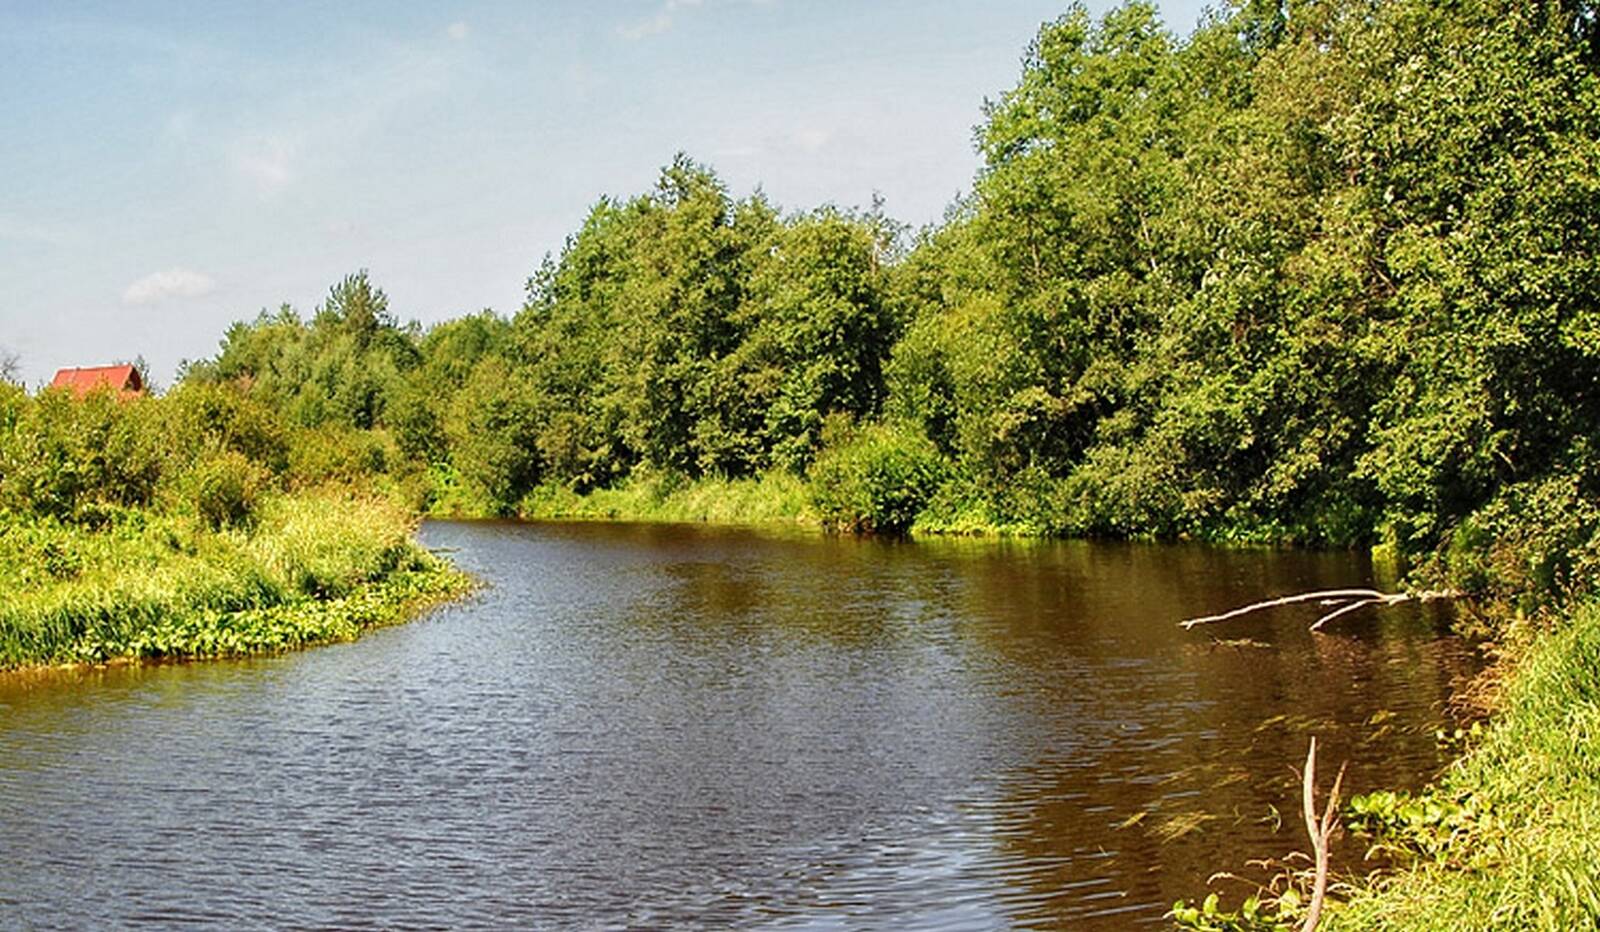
776	497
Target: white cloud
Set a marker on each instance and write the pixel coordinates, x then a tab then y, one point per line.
458	31
657	24
173	283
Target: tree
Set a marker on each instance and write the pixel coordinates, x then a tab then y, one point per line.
10	366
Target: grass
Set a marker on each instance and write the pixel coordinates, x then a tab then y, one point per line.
1510	837
774	498
312	568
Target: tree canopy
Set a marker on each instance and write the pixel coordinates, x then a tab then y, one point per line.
1322	272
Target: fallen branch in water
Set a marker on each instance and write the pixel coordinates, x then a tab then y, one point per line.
1321	832
1347	600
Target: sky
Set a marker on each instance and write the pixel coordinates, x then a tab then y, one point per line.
167	169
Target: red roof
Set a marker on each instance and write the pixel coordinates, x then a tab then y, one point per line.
122	379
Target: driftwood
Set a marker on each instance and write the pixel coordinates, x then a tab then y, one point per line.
1321	832
1345	600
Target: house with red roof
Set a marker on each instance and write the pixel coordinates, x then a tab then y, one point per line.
124	380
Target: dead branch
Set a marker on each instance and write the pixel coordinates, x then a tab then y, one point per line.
1326	596
1321	832
1347	600
1359	604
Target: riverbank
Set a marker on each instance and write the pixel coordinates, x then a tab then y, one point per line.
775	498
311	568
868	493
1510	836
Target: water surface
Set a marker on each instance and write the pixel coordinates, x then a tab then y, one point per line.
668	726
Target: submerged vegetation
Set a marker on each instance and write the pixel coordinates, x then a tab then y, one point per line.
1510	838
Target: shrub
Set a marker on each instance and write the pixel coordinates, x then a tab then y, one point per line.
202	417
1537	543
876	481
224	489
335	453
79	459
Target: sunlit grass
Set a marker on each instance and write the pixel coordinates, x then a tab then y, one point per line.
311	568
774	498
1530	857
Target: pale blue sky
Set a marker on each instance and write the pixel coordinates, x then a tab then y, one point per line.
170	168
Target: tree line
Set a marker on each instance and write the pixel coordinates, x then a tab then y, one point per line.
1320	272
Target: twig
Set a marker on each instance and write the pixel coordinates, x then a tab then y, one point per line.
1326	595
1362	603
1347	600
1321	832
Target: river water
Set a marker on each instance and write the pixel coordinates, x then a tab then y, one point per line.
677	726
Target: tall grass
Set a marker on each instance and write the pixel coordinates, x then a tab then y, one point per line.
1519	844
311	567
774	498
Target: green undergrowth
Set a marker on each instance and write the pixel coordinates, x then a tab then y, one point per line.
1510	836
774	498
309	568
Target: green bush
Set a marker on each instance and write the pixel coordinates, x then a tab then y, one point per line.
1537	543
333	452
225	489
201	417
876	481
494	432
78	459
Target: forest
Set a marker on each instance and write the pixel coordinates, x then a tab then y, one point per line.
1319	273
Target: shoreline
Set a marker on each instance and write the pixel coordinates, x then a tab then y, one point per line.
781	500
318	567
390	610
1509	835
287	626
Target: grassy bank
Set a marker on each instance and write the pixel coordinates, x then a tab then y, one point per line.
773	498
1510	837
310	568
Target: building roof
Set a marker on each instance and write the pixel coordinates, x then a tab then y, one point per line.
122	379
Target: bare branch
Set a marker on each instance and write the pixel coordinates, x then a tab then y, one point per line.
1347	600
1363	603
1320	831
1327	596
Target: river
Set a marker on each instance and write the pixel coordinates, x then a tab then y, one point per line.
679	726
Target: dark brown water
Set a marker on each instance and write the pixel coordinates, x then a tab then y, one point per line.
677	726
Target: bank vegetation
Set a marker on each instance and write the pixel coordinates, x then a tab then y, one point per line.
186	526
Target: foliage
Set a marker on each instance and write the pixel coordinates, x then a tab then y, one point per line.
494	435
340	368
313	567
1510	836
687	332
776	497
875	480
224	489
1251	916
